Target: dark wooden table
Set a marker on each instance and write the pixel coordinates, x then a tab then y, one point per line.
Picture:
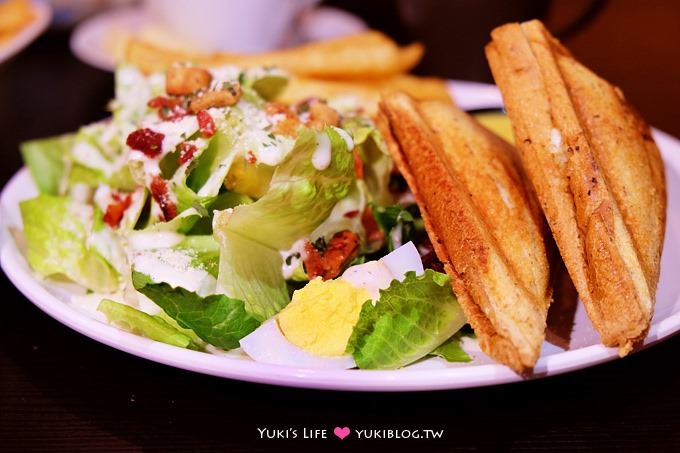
60	391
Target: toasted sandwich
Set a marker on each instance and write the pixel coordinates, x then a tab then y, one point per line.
482	218
597	173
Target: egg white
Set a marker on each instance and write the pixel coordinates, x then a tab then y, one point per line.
267	344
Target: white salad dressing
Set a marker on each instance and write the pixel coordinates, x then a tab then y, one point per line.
89	156
371	276
176	268
175	132
321	158
147	240
292	258
346	137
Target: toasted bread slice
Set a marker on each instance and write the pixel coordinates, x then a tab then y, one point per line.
597	173
482	220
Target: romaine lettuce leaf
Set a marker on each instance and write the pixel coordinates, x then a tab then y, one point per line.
452	350
143	324
251	272
377	164
299	199
412	318
46	160
217	319
56	231
205	251
212	165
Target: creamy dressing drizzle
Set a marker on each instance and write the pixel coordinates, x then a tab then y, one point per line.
321	158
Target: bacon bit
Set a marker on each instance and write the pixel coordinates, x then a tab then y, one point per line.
321	115
225	97
250	157
160	193
287	126
374	234
329	263
431	261
146	141
183	80
358	165
116	209
206	124
430	258
186	153
351	214
169	109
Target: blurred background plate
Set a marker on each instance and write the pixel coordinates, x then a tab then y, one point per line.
42	13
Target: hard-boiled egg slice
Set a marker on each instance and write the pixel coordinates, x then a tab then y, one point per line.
268	345
321	315
376	275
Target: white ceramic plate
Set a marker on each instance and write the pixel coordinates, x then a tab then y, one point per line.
32	30
583	350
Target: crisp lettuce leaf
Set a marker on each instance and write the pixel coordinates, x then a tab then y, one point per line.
299	199
377	164
251	272
452	350
401	224
205	251
46	160
191	263
264	83
56	231
412	318
196	342
212	165
143	324
217	319
270	86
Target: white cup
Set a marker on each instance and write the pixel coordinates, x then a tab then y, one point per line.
229	25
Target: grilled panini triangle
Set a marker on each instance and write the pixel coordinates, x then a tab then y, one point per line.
483	222
597	173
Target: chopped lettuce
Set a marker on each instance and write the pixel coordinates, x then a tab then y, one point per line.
205	252
400	224
376	162
452	350
46	160
143	324
217	319
251	272
212	165
412	318
57	231
299	199
189	262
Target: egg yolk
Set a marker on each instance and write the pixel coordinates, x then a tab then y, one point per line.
320	317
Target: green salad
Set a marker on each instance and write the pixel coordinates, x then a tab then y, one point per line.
206	215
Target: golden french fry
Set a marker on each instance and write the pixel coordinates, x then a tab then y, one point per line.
365	55
14	15
367	92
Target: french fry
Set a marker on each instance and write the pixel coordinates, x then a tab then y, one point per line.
369	55
367	92
14	15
